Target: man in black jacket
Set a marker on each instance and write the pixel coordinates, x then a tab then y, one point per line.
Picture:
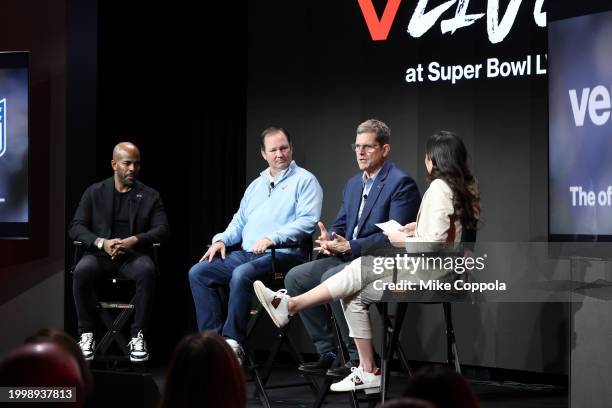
117	220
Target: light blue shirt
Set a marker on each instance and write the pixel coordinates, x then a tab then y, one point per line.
368	182
286	213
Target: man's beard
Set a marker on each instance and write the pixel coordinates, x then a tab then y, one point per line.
126	181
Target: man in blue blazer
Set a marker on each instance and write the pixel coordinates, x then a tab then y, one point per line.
380	192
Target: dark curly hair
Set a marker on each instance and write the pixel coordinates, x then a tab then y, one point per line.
450	163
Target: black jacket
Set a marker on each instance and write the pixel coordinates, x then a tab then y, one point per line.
94	215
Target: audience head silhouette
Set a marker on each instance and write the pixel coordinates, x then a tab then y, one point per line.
443	387
42	364
204	372
70	345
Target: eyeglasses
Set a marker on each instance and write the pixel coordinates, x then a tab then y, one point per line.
367	147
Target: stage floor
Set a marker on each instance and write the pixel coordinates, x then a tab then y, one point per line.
491	394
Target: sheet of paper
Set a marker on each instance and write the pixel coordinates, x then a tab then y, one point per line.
389	226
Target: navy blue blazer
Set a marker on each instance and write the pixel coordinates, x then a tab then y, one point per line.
394	195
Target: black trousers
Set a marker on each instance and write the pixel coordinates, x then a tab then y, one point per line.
91	269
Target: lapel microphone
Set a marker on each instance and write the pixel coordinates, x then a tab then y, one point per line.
270	188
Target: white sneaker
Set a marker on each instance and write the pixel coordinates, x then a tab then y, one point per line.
275	303
87	345
358	380
237	349
138	349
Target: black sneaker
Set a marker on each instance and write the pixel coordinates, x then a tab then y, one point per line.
87	345
324	362
138	349
343	370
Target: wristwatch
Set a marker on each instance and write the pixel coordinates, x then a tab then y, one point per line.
100	243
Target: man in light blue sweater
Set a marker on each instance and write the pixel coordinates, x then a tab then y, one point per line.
282	205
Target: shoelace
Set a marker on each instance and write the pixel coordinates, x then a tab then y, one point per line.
86	341
356	372
137	342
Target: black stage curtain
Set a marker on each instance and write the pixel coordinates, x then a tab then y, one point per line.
173	81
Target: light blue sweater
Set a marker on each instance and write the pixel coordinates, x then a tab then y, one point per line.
286	213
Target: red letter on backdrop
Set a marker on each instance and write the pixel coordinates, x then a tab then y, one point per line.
379	29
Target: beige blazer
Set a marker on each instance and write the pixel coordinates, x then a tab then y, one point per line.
436	221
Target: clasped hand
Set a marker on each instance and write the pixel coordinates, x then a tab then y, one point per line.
118	247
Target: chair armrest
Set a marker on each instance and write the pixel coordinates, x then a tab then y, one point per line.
287	245
77	254
305	245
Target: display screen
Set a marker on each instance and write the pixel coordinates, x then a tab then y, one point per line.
580	128
14	144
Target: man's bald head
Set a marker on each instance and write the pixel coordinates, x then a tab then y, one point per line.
126	165
125	148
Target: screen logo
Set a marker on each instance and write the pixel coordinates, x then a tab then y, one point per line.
2	126
422	19
596	101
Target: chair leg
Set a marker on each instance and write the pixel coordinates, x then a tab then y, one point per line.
451	345
404	359
394	345
344	357
353	401
341	352
275	348
259	385
114	330
261	376
385	351
297	359
323	391
391	345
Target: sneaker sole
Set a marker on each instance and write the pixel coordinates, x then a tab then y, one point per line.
139	360
375	389
262	299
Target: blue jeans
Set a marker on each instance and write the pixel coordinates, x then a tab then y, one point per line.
239	270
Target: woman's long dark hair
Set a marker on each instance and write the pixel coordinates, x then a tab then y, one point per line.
204	372
450	163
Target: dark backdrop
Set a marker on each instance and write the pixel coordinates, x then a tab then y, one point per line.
172	81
